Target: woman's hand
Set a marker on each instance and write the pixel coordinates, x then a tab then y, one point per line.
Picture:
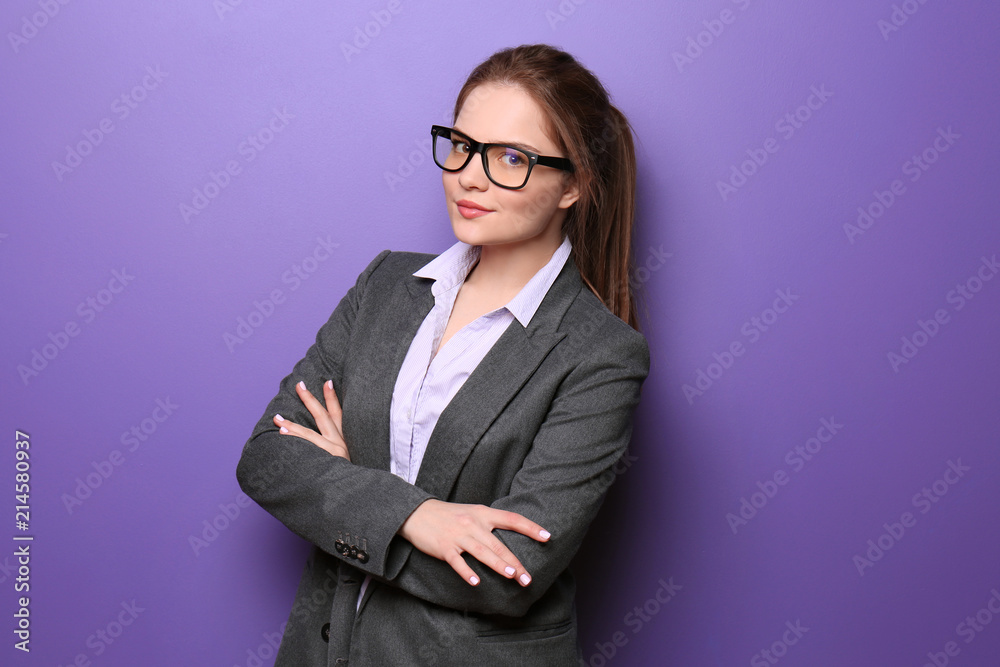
328	420
445	530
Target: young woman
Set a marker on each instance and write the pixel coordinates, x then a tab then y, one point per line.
474	402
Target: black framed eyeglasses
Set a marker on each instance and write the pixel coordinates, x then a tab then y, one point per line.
505	165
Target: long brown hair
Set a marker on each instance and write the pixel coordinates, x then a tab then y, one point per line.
597	138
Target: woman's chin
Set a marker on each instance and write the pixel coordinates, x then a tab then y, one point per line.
472	232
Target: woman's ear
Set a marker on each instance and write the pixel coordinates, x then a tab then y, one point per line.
571	191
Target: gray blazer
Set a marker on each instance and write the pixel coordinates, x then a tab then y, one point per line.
535	429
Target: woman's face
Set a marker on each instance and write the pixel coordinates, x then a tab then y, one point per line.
532	214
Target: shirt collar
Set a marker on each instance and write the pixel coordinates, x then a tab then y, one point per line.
450	269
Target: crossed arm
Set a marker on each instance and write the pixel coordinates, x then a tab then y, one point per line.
559	484
439	529
305	478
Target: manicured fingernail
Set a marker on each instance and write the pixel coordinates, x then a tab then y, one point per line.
283	429
509	570
301	385
474	580
279	418
545	534
329	383
525	579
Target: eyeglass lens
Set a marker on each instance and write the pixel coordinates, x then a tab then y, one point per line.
506	166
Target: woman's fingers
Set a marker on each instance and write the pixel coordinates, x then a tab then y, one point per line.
323	420
328	422
499	558
495	554
520	524
458	564
446	530
291	428
333	405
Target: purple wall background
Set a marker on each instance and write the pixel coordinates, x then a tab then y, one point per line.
712	262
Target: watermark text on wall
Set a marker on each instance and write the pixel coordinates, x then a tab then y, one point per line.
796	458
88	310
752	329
122	107
923	500
926	330
968	630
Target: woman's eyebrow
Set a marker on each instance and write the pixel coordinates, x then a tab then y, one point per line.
515	144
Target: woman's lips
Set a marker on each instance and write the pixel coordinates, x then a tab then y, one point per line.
470	209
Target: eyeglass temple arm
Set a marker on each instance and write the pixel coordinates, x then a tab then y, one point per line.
557	162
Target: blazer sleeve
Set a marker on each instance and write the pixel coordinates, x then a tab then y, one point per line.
561	484
317	495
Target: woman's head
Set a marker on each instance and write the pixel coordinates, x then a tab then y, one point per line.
595	205
521	212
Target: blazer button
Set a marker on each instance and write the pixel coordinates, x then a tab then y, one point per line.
325	633
353	552
339	546
362	556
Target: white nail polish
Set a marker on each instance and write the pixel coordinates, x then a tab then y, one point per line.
474	580
545	534
284	430
525	579
279	418
509	570
329	383
301	385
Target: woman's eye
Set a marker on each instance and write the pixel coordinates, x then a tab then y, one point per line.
459	146
511	159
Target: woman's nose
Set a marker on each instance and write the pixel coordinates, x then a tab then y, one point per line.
473	175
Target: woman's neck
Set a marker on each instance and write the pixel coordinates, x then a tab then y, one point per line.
504	269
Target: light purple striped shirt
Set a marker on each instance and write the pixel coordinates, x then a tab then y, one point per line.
427	382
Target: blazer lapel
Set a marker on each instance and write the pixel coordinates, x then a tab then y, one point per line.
380	357
502	372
